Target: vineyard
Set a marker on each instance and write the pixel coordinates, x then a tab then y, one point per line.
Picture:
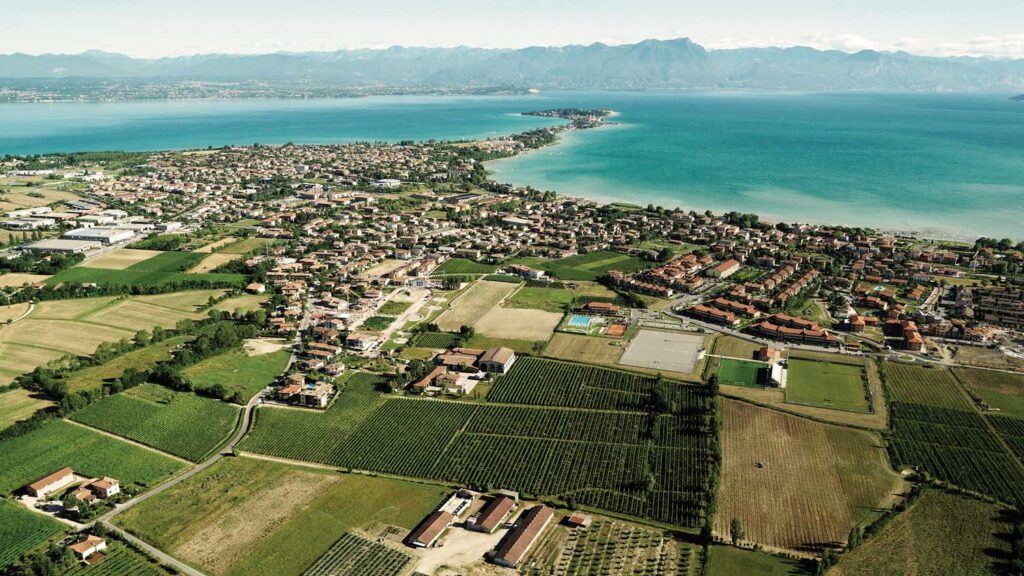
648	465
90	453
1012	430
22	531
353	554
540	382
179	423
437	340
120	560
936	428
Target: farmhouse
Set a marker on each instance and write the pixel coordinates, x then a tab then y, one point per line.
88	546
427	533
497	360
492	515
98	489
319	396
515	546
51	483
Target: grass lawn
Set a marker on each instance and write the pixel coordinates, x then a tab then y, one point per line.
242	303
141	359
727	561
810	310
940	534
464	266
1000	390
836	386
247	516
741	373
243	246
22	531
393	308
377	323
593	265
548	299
18	405
57	444
238	371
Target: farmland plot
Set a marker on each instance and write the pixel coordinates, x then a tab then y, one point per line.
518	324
120	560
353	554
471	305
22	531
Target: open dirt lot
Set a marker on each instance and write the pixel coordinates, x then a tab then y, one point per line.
474	303
796	483
214	245
518	324
459	548
121	259
658	350
261	346
212	262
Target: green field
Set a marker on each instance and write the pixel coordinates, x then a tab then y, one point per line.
1000	390
22	531
548	299
940	534
180	423
27	458
937	428
377	323
237	371
741	373
393	308
729	561
463	266
836	386
141	359
237	517
164	268
243	246
593	265
435	340
18	405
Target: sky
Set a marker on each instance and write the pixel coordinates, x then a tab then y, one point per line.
148	28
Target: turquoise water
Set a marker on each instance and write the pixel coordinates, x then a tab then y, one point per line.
943	165
578	321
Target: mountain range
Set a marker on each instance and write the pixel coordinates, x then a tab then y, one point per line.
650	64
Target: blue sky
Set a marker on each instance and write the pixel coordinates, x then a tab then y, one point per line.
160	28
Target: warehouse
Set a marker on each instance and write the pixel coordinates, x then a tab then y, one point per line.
66	246
104	235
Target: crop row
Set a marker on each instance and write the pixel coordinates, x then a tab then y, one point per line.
353	554
119	560
21	531
927	386
1012	430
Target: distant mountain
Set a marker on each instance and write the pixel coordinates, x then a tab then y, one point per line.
1018	98
651	64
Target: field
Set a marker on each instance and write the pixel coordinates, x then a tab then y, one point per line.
732	347
940	534
242	303
211	262
436	340
1012	431
835	386
518	324
243	246
13	311
238	371
589	349
549	299
22	531
382	268
596	456
473	304
26	458
78	326
594	265
122	258
612	548
394	308
17	279
662	350
237	517
726	561
164	268
180	423
213	246
141	359
796	483
353	554
15	198
741	373
937	428
463	266
1000	390
120	560
18	405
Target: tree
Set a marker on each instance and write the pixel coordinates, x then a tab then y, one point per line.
736	530
854	540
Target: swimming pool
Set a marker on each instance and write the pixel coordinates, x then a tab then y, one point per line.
579	321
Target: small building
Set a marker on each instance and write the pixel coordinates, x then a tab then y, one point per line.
256	288
318	396
493	514
104	487
362	341
518	542
578	520
51	483
88	546
766	354
497	360
426	534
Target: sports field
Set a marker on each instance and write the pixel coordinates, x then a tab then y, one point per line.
245	516
518	324
836	386
18	405
741	373
795	483
940	534
122	258
664	350
473	304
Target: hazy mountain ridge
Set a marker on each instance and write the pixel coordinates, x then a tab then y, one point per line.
651	64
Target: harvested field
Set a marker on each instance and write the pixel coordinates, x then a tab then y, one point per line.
473	304
8	313
663	350
261	346
212	262
16	279
94	377
940	534
242	303
795	483
518	324
121	259
244	246
18	405
212	246
589	349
